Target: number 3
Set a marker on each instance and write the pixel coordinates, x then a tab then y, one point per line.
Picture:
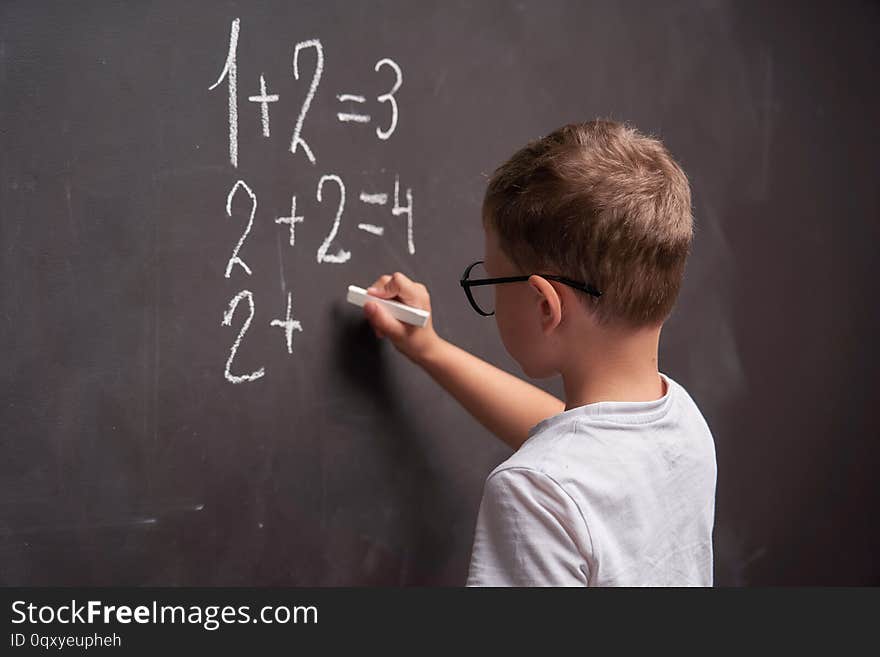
389	97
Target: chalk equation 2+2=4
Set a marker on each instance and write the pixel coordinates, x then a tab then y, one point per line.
330	186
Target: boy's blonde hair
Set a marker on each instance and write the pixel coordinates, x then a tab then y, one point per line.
600	203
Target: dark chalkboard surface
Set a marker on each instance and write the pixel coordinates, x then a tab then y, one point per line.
129	456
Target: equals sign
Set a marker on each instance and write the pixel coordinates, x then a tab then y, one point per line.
373	199
351	116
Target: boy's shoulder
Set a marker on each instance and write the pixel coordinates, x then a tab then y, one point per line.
599	439
541	450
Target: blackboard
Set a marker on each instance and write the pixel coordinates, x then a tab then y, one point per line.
129	456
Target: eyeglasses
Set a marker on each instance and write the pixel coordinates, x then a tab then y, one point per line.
483	301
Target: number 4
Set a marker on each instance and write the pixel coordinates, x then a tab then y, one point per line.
407	209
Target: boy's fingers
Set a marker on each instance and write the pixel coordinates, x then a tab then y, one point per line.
379	285
384	287
381	320
368	313
399	285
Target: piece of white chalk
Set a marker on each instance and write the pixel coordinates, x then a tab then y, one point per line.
358	296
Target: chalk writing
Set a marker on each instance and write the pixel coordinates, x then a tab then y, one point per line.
227	321
230	72
289	325
354	109
264	100
350	116
374	199
235	259
389	97
297	139
292	219
407	210
370	228
341	255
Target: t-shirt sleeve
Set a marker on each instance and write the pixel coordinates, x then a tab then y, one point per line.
529	533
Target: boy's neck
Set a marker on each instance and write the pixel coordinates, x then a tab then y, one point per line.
615	368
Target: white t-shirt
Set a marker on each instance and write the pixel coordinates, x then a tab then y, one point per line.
607	494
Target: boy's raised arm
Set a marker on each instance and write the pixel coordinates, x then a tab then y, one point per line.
504	404
501	402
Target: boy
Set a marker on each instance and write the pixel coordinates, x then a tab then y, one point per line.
616	485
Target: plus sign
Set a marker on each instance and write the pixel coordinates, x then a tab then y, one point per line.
264	101
292	219
289	325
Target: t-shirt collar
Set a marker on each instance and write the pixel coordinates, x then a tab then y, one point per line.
624	412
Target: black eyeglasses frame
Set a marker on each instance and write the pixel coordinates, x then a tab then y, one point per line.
467	283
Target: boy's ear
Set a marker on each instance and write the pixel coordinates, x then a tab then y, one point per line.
549	303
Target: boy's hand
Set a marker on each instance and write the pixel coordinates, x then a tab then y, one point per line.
411	341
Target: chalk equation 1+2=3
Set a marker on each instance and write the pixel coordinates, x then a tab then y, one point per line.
298	143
